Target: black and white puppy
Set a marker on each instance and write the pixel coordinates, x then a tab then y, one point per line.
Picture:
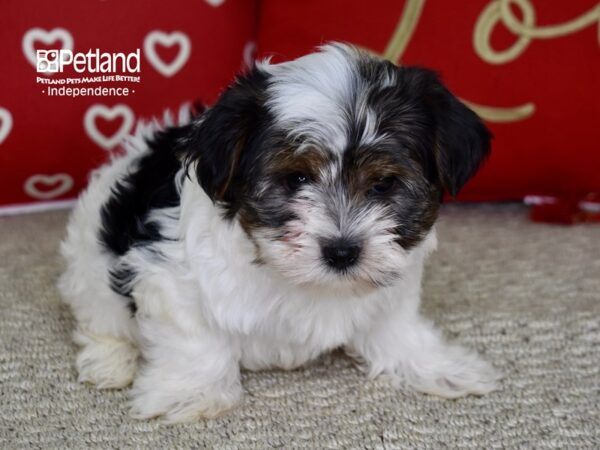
291	218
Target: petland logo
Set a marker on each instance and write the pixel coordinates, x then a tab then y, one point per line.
94	61
95	70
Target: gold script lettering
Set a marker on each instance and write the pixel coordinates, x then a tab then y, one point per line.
399	40
525	30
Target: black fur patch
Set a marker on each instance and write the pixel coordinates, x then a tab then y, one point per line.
120	282
225	147
149	185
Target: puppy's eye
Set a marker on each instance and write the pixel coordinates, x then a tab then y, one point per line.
383	185
293	181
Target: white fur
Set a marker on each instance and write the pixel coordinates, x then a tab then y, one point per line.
205	310
210	311
323	85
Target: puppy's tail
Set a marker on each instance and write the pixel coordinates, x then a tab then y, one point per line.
145	130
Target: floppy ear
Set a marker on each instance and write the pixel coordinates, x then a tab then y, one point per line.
462	141
219	140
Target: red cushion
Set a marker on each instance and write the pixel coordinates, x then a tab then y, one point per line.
48	150
552	149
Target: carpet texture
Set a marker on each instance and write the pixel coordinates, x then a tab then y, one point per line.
527	296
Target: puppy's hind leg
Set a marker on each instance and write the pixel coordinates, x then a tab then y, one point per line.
106	330
106	361
106	333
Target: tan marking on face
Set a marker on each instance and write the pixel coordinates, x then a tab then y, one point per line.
307	161
368	168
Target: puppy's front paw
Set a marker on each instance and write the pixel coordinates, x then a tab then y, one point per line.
172	401
455	373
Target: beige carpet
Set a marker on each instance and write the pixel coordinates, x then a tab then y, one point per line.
526	295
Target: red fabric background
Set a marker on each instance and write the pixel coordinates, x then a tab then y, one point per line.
555	152
48	136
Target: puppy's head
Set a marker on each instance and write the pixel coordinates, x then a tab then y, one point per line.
335	164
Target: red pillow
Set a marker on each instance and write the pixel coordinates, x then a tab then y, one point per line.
540	96
189	50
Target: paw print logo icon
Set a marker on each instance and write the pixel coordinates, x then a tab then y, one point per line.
47	61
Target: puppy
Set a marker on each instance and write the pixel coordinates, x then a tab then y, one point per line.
291	218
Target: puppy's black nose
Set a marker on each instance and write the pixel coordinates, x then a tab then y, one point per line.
340	254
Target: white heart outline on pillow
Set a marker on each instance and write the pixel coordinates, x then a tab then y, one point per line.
47	37
167	40
215	3
109	113
6	123
66	183
249	54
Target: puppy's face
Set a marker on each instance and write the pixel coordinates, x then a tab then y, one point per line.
335	164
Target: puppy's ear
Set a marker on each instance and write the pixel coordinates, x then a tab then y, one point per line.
218	142
462	141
